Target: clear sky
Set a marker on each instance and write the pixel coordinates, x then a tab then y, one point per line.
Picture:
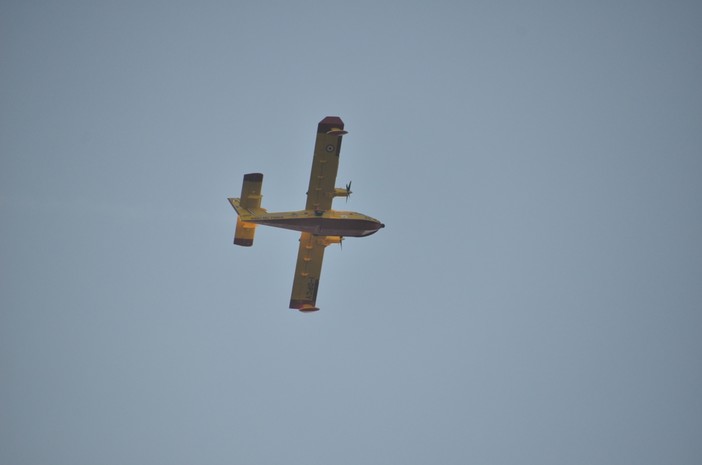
535	297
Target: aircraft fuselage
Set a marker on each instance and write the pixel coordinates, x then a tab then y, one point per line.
328	223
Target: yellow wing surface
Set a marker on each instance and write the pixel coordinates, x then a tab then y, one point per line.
307	272
320	194
325	164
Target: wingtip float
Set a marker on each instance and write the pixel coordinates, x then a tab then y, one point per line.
319	225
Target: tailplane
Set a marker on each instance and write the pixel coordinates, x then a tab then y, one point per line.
247	207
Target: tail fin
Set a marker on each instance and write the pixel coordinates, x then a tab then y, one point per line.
246	207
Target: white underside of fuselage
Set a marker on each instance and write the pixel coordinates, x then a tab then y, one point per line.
330	223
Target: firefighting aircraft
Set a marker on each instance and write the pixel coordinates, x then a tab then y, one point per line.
319	224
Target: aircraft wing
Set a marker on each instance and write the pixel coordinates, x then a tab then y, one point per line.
325	164
307	272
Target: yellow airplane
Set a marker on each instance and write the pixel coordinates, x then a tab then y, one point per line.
319	224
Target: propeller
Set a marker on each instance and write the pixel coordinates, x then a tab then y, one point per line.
348	191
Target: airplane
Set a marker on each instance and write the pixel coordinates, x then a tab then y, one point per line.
319	225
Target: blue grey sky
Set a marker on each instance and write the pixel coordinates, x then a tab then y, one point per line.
536	296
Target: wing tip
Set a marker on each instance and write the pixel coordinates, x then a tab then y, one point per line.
253	177
329	123
305	306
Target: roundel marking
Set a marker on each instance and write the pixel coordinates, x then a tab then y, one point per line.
330	148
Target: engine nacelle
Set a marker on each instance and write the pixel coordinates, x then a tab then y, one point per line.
329	240
341	192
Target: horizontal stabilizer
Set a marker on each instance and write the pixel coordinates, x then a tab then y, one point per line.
245	232
251	191
247	206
